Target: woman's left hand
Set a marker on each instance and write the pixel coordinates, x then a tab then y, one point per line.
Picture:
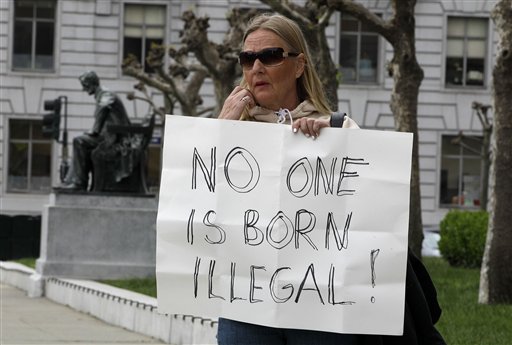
310	126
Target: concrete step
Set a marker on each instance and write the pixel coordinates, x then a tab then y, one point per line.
119	307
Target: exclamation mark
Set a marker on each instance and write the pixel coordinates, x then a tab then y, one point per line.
373	256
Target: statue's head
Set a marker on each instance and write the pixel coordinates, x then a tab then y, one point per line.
89	81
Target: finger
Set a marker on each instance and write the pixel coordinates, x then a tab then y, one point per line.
304	127
311	128
248	98
296	126
316	128
318	125
250	93
234	105
236	90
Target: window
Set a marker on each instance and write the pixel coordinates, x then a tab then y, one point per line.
29	165
34	35
466	51
461	167
143	26
359	52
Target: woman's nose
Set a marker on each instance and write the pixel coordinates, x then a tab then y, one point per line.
258	65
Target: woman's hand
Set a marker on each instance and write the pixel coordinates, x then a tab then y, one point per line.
235	104
310	126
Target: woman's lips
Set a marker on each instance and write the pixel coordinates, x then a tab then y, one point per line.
260	84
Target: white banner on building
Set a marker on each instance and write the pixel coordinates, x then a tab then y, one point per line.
259	224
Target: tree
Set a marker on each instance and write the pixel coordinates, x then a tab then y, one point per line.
182	82
481	110
407	75
496	275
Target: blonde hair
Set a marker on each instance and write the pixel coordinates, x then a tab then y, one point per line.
309	86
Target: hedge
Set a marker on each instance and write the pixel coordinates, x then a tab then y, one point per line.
463	235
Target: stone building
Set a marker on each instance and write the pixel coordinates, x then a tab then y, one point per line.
46	44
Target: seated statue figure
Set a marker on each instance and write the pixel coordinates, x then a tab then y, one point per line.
109	111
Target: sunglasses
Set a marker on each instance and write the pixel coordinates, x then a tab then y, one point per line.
268	57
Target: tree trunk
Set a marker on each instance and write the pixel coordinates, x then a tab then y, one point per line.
496	272
219	60
325	67
407	75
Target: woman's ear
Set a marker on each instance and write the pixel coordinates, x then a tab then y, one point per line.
301	63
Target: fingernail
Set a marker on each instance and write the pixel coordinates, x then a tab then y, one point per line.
307	135
314	137
295	130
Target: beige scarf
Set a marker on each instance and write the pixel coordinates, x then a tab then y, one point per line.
305	108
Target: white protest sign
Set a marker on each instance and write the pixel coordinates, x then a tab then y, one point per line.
259	224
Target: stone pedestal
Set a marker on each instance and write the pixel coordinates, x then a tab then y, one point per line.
95	236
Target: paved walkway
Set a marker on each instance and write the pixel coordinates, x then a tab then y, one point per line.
25	320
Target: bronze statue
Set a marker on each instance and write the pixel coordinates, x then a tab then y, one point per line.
109	111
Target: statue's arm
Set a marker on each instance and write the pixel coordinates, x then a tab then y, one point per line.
102	112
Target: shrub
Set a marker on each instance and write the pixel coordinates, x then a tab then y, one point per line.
463	236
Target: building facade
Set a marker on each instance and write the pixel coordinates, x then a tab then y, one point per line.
46	44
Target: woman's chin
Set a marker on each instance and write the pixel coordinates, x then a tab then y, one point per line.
264	102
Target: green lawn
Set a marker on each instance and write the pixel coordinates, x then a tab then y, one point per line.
29	262
463	322
146	286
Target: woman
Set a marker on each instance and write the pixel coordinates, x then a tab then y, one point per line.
279	82
280	85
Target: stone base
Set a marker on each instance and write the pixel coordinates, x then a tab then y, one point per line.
95	236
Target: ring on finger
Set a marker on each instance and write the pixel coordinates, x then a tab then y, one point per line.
245	99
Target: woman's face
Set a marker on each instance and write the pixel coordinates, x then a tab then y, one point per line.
273	87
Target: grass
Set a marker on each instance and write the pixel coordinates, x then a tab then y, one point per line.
146	286
29	262
463	322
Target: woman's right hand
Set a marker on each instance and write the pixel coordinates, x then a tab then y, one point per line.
310	126
236	102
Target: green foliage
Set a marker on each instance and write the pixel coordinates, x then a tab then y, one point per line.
463	235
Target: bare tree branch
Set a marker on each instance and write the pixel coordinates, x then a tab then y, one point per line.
283	7
133	69
385	28
195	37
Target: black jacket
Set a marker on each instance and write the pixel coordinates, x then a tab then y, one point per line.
422	310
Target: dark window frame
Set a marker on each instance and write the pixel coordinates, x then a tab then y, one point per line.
35	40
144	27
359	34
465	38
462	151
30	141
